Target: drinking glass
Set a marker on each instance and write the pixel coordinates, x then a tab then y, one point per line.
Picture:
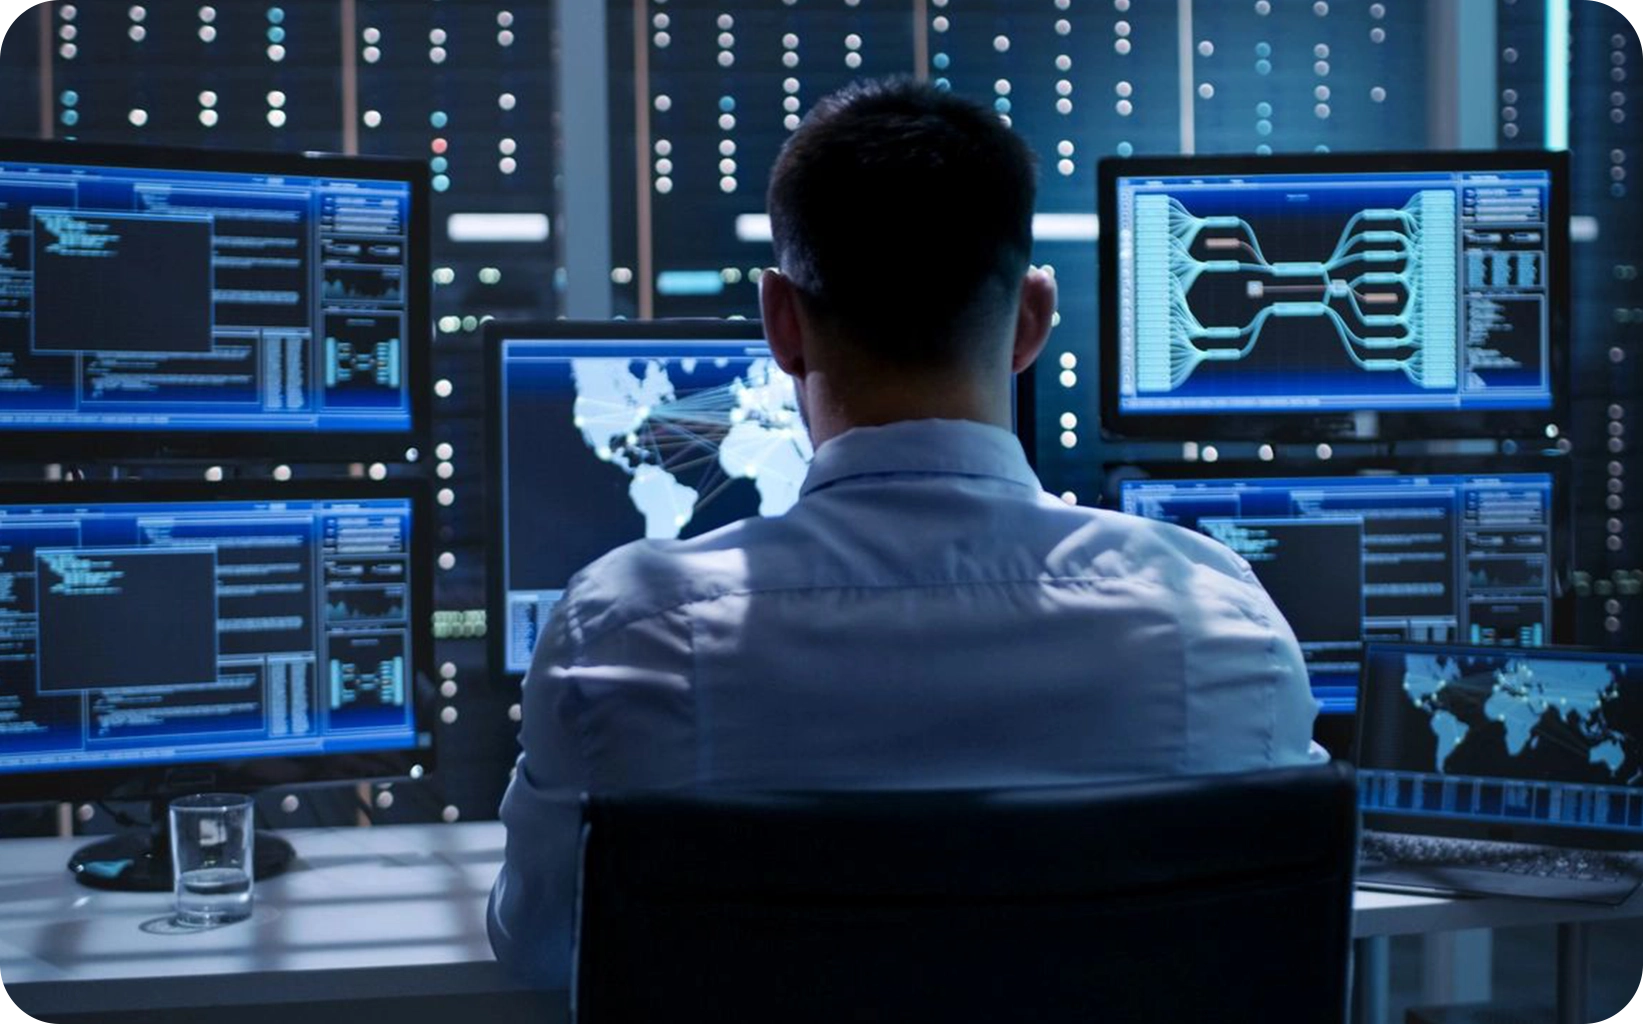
211	837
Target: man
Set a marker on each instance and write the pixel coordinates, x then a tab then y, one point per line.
925	615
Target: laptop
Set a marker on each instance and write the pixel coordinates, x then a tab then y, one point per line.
1500	771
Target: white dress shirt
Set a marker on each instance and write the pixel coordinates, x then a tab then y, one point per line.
924	616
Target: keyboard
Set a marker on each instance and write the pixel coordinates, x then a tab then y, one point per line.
1396	860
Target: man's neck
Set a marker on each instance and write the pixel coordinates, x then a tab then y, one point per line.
830	410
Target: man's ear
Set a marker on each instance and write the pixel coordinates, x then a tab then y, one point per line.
1034	314
779	311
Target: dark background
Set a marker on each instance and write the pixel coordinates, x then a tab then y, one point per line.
369	76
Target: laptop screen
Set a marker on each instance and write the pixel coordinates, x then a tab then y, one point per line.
1493	743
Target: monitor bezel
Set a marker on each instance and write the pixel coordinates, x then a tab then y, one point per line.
1339	731
1573	837
95	444
497	333
1336	425
250	775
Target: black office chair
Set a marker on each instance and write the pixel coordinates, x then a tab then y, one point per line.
1215	898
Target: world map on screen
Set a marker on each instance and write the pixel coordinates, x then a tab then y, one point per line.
683	433
1522	705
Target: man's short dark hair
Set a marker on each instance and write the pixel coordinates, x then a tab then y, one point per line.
905	216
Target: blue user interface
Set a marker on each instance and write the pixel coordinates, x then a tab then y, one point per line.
139	299
606	441
1346	559
1497	737
1405	292
157	633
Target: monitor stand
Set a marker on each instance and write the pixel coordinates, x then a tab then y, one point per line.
139	862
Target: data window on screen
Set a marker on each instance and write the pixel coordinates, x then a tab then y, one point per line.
144	299
138	633
1430	558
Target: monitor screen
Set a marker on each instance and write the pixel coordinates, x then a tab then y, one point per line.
1432	557
1480	738
171	299
141	632
608	432
1325	288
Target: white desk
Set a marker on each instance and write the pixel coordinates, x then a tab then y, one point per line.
1382	913
385	912
1456	940
365	913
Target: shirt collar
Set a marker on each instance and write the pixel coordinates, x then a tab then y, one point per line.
956	447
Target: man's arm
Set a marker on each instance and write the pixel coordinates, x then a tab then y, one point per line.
612	711
530	915
1294	707
1248	683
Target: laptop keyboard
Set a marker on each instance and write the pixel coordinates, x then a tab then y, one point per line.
1506	858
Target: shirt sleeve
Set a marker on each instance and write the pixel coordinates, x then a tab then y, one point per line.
1294	706
611	711
530	918
1250	702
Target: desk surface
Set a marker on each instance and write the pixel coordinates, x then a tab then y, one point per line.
364	911
384	911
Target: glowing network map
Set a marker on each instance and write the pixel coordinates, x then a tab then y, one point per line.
1413	303
1534	703
1299	292
682	446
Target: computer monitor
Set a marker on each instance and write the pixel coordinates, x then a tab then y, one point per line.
159	639
605	432
1474	557
1534	746
1334	296
181	302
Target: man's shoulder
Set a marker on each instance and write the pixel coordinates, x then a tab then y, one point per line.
649	577
646	577
1110	543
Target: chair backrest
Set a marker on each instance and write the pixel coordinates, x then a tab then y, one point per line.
1225	898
